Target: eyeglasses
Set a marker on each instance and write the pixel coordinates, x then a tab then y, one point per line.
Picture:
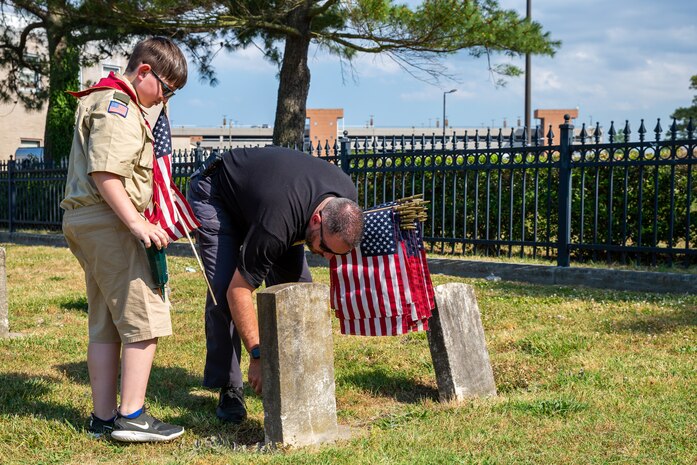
323	245
167	91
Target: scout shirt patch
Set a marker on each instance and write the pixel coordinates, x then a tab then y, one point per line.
118	108
121	97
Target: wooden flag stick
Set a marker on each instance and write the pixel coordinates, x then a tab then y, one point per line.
200	264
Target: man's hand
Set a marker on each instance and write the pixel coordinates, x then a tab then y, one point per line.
254	375
239	298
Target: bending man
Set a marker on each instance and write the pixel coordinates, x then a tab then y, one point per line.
258	207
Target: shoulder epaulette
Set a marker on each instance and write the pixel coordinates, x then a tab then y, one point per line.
122	97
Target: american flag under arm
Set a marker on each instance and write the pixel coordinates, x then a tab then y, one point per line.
168	207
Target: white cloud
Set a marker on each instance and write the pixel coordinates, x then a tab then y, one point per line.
429	94
250	60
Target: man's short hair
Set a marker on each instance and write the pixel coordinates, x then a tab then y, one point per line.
344	218
165	58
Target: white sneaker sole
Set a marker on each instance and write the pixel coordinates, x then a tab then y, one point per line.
140	436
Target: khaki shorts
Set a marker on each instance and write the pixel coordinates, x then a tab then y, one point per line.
122	298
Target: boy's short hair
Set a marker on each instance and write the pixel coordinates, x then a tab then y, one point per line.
165	58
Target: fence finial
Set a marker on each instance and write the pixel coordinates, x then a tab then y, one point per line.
597	133
673	130
626	130
642	131
612	132
658	130
550	136
525	136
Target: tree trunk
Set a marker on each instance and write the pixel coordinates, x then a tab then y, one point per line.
60	117
294	84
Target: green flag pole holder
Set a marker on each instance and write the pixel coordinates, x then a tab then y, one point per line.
157	258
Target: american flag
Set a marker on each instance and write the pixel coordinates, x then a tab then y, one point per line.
168	208
383	287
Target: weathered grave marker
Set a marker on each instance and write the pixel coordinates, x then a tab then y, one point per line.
458	348
297	362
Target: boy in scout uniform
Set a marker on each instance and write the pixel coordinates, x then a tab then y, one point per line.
109	185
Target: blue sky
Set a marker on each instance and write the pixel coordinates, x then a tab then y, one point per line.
619	59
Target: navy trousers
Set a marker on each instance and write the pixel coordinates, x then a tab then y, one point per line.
220	239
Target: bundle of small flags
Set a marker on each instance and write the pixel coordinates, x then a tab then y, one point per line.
383	287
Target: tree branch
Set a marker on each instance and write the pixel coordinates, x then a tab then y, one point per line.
314	12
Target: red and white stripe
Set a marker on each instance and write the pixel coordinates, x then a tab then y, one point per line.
169	208
384	295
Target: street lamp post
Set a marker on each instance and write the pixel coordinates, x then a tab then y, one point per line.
444	94
528	76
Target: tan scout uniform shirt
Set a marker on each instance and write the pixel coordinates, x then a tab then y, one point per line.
111	142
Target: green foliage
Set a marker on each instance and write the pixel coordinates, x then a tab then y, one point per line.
60	119
683	114
415	37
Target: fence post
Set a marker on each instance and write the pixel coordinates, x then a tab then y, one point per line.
564	231
11	198
345	152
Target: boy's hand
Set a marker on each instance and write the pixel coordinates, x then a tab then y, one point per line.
150	234
111	187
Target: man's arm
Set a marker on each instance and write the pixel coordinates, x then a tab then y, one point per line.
111	188
239	297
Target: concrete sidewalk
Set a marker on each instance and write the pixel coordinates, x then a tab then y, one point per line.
602	278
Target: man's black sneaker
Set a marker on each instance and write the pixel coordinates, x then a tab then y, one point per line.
144	428
231	408
99	427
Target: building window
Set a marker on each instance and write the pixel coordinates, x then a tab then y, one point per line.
106	69
29	143
30	80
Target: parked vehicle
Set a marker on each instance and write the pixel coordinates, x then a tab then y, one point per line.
25	155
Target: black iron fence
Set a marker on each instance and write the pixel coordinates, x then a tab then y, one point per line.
580	199
490	194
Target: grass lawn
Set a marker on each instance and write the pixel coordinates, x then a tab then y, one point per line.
584	376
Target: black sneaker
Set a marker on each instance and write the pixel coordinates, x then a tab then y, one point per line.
144	428
98	427
231	408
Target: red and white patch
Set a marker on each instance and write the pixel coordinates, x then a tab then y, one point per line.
118	108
